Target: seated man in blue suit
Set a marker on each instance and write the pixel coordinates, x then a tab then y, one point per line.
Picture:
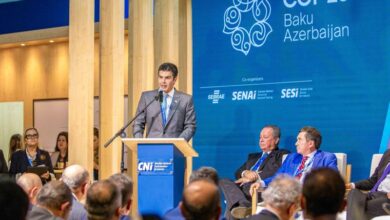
308	157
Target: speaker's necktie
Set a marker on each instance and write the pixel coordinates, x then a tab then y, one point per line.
164	105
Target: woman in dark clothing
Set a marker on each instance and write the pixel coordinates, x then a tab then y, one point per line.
32	156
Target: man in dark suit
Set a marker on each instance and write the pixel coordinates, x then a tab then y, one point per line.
77	179
259	165
308	157
281	199
172	118
368	205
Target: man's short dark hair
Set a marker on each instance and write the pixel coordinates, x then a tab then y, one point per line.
200	200
53	194
205	173
124	184
324	190
312	134
13	201
169	67
103	199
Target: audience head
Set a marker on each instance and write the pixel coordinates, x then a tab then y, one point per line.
13	201
103	201
31	137
77	179
56	197
323	193
201	200
205	173
31	184
283	196
62	141
308	140
125	187
269	138
15	143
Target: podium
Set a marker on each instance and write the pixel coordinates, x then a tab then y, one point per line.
159	168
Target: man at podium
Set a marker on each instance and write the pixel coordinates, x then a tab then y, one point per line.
171	113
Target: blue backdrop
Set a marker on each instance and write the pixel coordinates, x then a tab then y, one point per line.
292	63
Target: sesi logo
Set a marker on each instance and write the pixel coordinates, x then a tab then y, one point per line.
289	93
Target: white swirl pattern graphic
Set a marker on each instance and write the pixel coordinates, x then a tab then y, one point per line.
241	39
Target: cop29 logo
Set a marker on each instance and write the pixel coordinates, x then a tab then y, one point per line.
252	12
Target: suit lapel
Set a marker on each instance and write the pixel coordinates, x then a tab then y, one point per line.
173	107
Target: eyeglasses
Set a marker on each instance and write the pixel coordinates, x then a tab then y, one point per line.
32	136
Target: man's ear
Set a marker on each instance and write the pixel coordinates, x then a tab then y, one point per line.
128	205
343	204
33	192
65	206
303	203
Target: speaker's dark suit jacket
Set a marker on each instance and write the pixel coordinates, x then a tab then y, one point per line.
180	123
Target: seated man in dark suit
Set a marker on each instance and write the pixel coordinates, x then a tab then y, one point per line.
258	166
281	199
308	157
368	205
323	193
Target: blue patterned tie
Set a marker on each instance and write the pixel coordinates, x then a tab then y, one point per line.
259	162
384	175
164	110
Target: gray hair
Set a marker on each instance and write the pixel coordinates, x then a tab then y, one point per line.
124	184
53	194
283	191
275	130
75	176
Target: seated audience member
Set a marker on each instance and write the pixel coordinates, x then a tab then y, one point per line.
258	166
125	186
103	201
3	164
32	156
59	158
95	154
15	144
31	184
308	157
281	199
77	179
322	194
201	201
54	201
13	201
368	205
208	173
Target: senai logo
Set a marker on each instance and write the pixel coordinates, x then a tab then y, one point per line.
256	14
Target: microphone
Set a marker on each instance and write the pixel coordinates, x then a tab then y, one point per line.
160	96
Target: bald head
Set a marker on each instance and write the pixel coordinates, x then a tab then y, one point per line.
201	200
31	184
75	176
